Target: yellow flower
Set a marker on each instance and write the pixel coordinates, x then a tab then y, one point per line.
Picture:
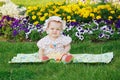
69	21
28	11
56	10
36	22
57	15
109	8
42	18
110	17
68	17
29	8
92	15
85	16
119	17
64	18
49	14
112	12
73	20
95	10
81	3
42	9
54	7
98	17
33	13
35	8
67	9
39	13
45	14
33	17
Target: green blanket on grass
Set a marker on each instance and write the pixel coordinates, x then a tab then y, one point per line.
77	58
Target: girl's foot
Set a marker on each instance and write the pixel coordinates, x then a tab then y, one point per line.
67	58
45	58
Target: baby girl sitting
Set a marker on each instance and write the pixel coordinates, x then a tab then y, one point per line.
55	45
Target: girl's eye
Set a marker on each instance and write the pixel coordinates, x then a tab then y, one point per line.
58	29
52	28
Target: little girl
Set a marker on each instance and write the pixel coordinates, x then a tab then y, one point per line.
55	45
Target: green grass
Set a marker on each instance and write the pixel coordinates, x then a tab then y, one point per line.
59	71
33	3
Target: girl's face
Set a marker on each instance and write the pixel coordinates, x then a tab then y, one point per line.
54	29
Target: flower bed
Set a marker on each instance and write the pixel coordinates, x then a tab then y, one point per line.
84	22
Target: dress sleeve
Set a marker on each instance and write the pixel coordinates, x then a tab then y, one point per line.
67	40
41	44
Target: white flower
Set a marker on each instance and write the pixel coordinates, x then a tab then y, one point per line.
69	28
101	35
10	9
90	32
81	37
107	36
79	28
103	27
95	22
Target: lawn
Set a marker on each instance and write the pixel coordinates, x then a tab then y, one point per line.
59	71
33	3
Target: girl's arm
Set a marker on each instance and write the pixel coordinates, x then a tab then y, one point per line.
67	49
41	53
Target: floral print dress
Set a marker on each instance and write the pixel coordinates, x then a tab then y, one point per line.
56	46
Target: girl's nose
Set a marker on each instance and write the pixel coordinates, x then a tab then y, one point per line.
54	30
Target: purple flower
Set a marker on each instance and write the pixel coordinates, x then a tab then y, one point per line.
26	30
20	25
99	20
117	24
13	19
1	25
15	23
74	23
25	21
38	26
109	21
8	18
15	32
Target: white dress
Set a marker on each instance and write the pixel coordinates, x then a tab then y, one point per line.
57	45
